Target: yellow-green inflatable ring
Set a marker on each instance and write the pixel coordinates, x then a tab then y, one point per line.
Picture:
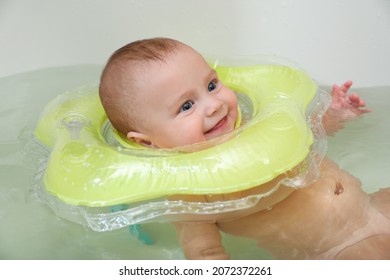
84	170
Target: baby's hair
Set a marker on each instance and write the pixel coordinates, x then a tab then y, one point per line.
119	79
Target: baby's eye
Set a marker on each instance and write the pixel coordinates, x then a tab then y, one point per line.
186	106
212	86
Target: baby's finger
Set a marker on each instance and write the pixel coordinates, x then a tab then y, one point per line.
354	97
346	86
356	101
337	92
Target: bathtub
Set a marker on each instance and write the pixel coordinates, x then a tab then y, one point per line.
49	47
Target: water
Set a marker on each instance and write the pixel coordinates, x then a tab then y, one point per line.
30	230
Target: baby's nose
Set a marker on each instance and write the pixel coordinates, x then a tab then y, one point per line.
213	106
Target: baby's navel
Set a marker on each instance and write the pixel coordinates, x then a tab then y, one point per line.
339	189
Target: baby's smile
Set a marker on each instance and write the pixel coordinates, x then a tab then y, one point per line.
219	128
223	124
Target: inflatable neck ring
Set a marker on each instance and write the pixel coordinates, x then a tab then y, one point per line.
90	168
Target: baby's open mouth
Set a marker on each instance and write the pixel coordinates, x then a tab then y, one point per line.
219	126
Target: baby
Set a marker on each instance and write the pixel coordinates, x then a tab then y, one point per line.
161	93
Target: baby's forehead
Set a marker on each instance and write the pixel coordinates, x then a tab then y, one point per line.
137	72
143	75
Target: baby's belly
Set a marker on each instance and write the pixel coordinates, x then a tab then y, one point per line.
334	185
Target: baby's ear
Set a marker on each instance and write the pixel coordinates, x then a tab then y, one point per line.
140	138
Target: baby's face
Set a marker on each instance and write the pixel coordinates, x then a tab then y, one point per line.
183	102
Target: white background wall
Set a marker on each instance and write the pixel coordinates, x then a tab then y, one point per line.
333	40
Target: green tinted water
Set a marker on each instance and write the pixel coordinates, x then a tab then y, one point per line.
30	230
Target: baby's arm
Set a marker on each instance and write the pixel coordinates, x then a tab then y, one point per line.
344	107
201	241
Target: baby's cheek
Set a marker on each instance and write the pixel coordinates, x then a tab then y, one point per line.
190	137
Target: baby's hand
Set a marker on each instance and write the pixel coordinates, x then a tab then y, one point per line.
348	106
344	107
